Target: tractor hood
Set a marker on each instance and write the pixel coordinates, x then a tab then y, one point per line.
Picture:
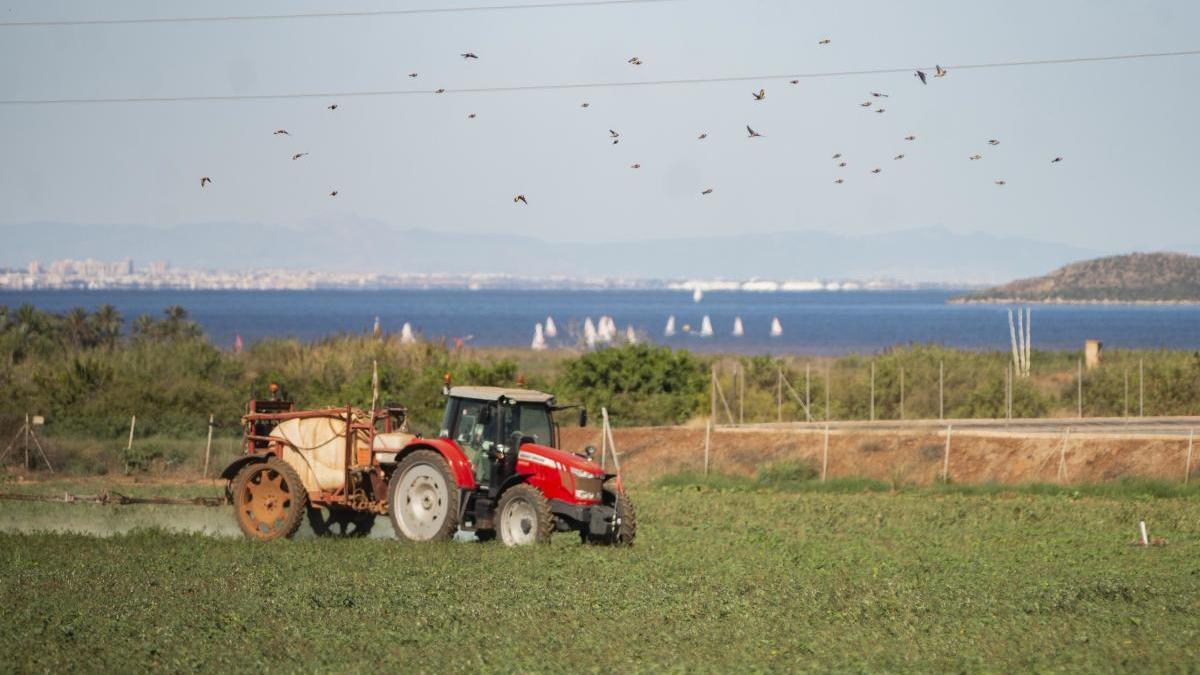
567	459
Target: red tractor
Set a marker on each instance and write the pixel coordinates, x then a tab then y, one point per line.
494	469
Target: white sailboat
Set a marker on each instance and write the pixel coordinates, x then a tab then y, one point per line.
606	331
589	333
670	329
539	339
406	334
706	327
738	329
551	329
697	295
630	335
776	327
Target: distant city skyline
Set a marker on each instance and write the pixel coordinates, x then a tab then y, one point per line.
1123	128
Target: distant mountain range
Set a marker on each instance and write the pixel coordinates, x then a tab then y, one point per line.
931	254
1136	277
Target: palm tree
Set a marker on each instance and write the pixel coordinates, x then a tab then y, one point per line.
78	329
107	321
144	326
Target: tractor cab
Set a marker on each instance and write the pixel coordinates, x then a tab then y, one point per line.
490	424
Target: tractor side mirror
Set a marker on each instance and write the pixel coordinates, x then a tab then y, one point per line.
583	418
590	451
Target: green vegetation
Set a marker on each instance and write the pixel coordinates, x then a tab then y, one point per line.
88	376
730	581
1136	277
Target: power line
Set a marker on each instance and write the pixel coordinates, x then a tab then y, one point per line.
590	85
324	15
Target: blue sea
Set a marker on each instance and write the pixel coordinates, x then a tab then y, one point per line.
827	322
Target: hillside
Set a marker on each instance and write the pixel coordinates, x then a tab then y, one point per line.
1136	277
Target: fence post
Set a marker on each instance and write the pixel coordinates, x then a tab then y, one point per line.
129	446
1187	466
872	391
825	460
707	442
901	392
1062	457
208	446
941	390
946	457
26	428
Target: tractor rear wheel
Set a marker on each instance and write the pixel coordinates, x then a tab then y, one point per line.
423	498
524	516
268	500
626	528
339	521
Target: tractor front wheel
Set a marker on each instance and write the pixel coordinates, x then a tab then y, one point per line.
423	498
525	516
626	529
268	500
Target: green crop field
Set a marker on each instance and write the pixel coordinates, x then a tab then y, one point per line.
727	579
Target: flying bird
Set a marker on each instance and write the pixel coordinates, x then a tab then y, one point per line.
910	137
439	91
975	157
298	155
520	198
468	55
332	107
205	180
635	166
837	155
899	156
706	191
762	93
876	170
333	194
993	142
584	104
702	137
920	75
795	81
753	133
879	94
939	72
1056	160
412	74
880	110
842	164
635	61
282	131
616	138
839	181
865	104
1001	182
823	41
471	116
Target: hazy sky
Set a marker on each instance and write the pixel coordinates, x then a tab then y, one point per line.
1127	130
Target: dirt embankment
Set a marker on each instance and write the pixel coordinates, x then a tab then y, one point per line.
647	453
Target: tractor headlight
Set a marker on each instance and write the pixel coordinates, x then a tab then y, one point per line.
580	473
584	494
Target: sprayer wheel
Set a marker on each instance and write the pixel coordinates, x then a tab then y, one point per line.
268	500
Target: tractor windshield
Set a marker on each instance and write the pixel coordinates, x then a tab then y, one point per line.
528	420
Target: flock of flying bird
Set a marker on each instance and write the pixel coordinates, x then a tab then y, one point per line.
759	95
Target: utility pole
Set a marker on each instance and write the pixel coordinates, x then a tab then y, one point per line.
1141	389
779	393
827	369
901	392
741	394
1079	387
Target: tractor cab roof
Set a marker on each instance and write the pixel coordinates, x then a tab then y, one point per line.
496	393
